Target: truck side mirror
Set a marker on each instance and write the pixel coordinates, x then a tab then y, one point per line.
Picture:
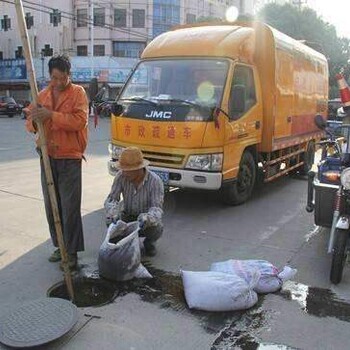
320	122
116	108
238	99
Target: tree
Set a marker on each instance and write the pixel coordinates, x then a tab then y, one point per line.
208	19
306	25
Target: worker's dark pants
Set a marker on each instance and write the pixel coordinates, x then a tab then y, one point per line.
151	233
67	179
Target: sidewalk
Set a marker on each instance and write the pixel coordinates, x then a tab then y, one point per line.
128	322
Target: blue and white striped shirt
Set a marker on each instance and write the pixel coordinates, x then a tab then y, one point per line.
147	198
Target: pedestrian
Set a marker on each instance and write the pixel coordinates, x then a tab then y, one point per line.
143	196
63	109
26	104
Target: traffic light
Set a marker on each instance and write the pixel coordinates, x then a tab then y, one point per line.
55	17
29	20
6	23
47	51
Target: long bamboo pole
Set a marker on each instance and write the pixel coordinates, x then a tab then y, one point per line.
43	147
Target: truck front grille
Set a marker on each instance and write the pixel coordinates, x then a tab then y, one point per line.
165	159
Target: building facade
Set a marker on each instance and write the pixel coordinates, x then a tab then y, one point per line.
109	28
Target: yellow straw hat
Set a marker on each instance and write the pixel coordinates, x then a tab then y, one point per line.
131	159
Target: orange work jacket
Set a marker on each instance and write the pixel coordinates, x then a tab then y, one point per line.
67	130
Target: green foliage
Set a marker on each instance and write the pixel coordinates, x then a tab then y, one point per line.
208	19
305	24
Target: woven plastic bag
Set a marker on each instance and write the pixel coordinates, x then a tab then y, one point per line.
217	291
271	278
119	257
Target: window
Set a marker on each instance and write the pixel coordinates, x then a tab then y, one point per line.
243	78
99	17
138	18
200	82
29	20
82	50
128	49
190	18
99	50
165	15
19	52
6	23
82	17
120	17
1	56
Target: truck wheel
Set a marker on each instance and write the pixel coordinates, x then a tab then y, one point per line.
239	192
339	255
308	158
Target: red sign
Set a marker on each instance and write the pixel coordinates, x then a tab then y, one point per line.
187	132
142	131
171	132
156	132
127	130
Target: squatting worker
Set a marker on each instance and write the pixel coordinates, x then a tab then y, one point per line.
143	196
63	109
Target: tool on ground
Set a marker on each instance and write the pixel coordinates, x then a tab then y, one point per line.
71	336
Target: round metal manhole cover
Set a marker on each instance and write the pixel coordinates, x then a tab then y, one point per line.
38	322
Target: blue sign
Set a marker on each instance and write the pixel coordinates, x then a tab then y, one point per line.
82	74
13	69
103	75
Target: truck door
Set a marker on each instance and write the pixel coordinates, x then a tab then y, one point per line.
245	117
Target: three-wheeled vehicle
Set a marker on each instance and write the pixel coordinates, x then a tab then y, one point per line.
329	194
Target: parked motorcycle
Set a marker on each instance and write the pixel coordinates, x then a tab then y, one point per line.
331	187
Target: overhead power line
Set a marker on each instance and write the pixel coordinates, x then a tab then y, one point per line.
74	18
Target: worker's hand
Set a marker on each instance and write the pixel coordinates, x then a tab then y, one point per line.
40	114
26	111
143	221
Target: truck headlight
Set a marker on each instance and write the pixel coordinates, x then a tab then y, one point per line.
345	178
208	162
114	151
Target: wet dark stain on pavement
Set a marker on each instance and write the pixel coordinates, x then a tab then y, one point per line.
247	342
166	290
317	301
232	329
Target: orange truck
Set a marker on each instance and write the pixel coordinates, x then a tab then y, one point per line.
212	105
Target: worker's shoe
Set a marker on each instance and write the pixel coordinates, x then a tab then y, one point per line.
72	262
150	249
55	256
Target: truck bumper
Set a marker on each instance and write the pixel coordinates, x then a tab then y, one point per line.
183	178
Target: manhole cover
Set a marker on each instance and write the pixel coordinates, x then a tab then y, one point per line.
87	292
38	322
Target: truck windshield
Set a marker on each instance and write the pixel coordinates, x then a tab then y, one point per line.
186	88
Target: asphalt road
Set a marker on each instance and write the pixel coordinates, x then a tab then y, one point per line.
308	313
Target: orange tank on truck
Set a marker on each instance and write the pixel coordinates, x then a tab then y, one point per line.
213	105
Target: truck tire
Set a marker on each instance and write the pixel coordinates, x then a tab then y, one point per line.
308	158
239	191
339	255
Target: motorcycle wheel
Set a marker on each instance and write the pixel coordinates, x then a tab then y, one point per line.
339	255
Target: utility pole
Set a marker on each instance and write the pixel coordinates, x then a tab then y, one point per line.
299	3
91	7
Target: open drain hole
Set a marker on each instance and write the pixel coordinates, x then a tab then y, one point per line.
87	292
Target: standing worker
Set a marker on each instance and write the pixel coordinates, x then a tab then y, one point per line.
63	109
143	196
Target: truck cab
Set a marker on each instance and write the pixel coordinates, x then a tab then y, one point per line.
207	103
